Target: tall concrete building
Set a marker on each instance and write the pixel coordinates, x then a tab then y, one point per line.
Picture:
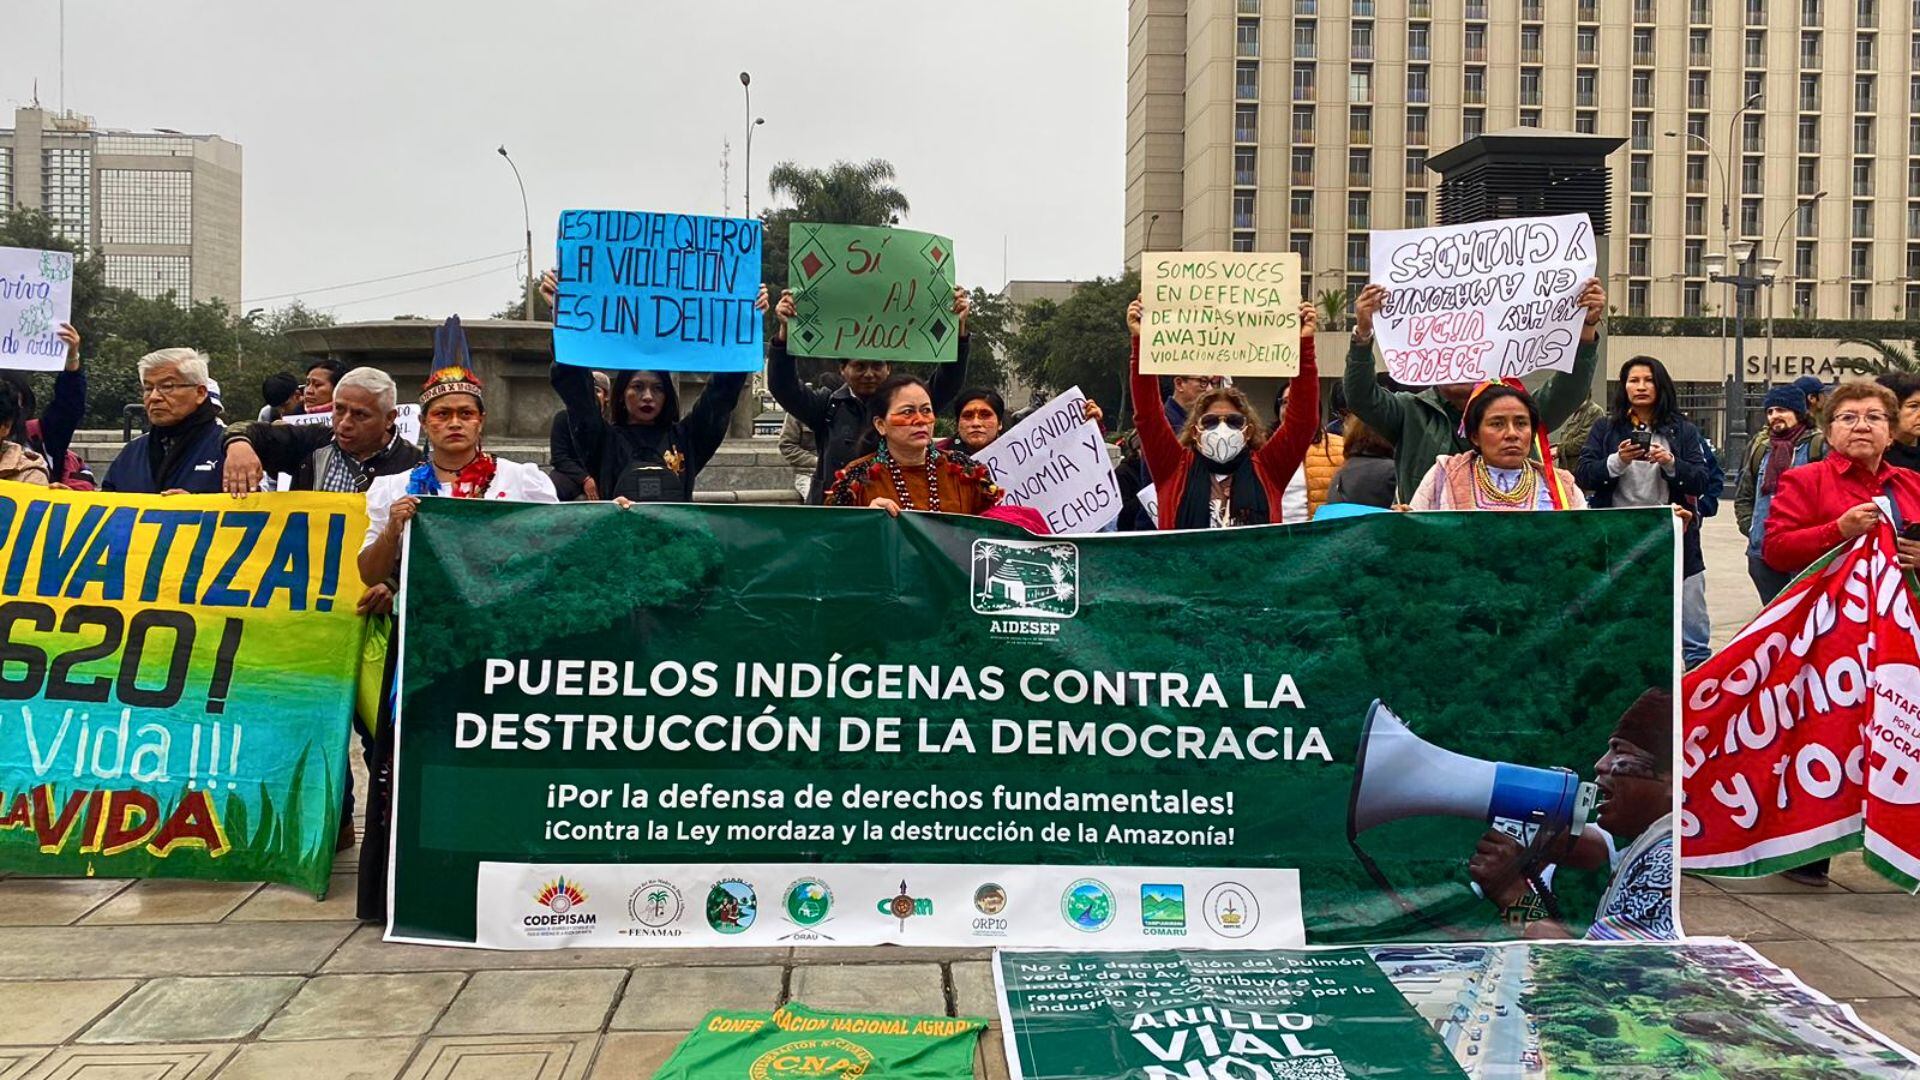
162	206
1276	124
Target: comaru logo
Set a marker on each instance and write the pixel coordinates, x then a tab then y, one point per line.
1088	905
1015	581
1163	910
1232	910
563	901
836	1058
905	906
732	906
655	907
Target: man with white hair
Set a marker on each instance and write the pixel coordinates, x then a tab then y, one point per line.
180	453
362	444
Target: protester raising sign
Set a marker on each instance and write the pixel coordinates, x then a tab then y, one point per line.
1221	313
665	292
1056	462
867	293
1490	300
1802	736
36	296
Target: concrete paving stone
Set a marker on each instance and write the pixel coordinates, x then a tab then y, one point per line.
629	1055
365	1006
1828	970
1896	1018
15	1061
1771	885
973	990
1897	960
321	1059
1724	916
990	1060
365	952
172	900
916	989
1698	886
676	999
1850	871
284	903
530	1002
144	952
1839	916
885	954
50	1013
194	1010
172	1062
504	1057
52	901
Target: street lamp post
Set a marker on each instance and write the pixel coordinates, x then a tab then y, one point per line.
239	347
746	86
527	220
1770	267
1742	279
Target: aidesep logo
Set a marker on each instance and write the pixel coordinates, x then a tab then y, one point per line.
1026	586
834	1058
562	899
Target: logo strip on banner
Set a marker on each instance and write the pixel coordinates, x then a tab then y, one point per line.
707	905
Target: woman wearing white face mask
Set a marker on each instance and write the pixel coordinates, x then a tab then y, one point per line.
1220	469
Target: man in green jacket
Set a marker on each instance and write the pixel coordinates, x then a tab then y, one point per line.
1426	424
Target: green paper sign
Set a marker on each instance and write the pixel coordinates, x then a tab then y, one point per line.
795	1042
867	293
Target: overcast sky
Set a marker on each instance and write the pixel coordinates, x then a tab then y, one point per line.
369	126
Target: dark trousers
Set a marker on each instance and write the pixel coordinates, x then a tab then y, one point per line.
377	837
1766	579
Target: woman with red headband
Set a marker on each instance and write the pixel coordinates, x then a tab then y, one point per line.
1503	426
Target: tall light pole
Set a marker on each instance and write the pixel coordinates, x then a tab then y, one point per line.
527	220
1742	279
239	348
1770	267
746	193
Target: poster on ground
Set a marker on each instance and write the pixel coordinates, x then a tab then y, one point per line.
1251	737
1486	300
863	292
1234	313
1802	735
176	683
1056	462
1703	1009
654	291
36	296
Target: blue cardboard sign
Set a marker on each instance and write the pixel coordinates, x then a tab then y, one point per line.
664	292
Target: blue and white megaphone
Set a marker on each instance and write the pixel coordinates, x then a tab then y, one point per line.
1397	774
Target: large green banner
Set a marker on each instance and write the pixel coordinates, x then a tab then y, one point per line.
691	725
1703	1009
177	681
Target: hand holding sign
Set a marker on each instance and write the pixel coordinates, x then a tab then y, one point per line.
36	303
1221	313
867	293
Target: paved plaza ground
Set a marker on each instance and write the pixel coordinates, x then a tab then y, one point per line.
160	980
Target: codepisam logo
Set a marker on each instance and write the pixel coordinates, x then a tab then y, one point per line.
655	909
905	906
1231	909
835	1058
563	902
1026	586
1087	905
990	900
807	904
1163	910
732	906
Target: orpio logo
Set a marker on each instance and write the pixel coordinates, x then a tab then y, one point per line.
1036	579
837	1059
904	906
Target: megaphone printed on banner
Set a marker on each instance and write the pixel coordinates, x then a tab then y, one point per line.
1398	774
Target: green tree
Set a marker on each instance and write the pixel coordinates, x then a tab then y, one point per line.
517	307
1081	341
844	193
1333	304
1889	358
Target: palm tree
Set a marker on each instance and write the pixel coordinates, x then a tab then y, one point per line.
844	193
1333	305
1891	358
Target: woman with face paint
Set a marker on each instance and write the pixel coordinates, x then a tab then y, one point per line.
904	470
1499	473
1220	469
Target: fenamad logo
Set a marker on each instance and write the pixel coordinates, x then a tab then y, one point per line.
1026	586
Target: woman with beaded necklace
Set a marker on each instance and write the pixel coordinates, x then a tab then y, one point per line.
907	472
1503	426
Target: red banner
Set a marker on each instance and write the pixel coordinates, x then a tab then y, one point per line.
1801	739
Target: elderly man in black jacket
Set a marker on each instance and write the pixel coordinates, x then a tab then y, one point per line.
838	418
362	442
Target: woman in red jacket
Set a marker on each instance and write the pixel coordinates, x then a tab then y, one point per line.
1220	470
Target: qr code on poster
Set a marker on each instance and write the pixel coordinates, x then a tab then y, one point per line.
1310	1068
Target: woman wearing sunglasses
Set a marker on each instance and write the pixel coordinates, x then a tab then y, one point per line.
1220	469
900	468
